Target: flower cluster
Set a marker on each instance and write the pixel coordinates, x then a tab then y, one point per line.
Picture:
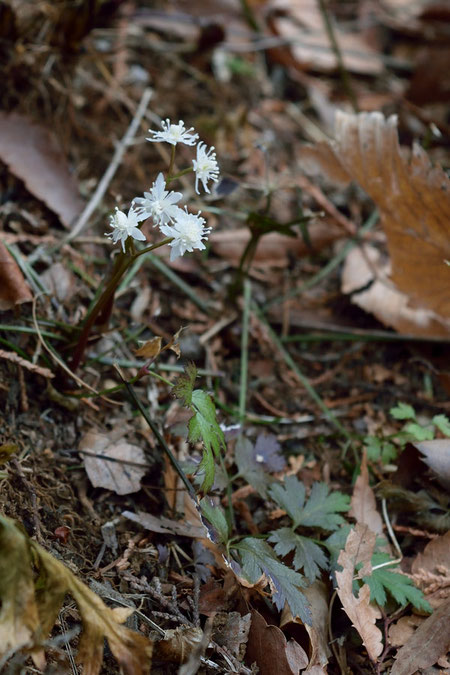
186	230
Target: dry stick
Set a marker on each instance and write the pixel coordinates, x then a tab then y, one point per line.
112	168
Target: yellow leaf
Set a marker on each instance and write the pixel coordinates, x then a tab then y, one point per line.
150	349
29	610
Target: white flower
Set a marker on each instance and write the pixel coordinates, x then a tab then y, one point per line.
173	134
124	226
158	204
205	166
188	231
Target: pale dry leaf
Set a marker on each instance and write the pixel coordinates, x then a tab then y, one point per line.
430	641
117	464
59	280
359	548
365	268
13	288
413	199
268	648
430	570
363	507
33	154
436	455
178	644
32	367
231	631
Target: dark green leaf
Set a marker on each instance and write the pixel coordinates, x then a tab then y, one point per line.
216	517
399	586
248	468
309	557
259	558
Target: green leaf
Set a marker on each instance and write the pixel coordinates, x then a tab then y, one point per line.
373	448
403	411
335	544
216	517
203	427
443	424
398	585
388	453
253	472
418	433
259	558
320	510
308	557
184	385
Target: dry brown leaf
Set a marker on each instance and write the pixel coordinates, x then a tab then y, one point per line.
437	457
60	281
359	548
33	154
318	599
430	641
166	525
230	630
28	615
13	288
118	466
178	644
274	249
430	570
272	653
414	203
403	629
152	348
363	507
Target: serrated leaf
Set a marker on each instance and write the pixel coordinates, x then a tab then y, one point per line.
184	384
418	433
403	411
208	468
203	427
259	558
443	424
390	579
320	510
216	517
373	448
308	557
335	543
388	453
248	468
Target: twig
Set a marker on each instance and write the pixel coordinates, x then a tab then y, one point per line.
96	198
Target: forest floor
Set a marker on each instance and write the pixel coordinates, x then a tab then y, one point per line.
334	437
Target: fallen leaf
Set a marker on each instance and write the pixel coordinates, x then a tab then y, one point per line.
152	348
273	249
430	570
231	630
118	465
363	507
166	525
430	641
33	154
402	630
318	598
437	457
27	614
178	644
268	648
359	548
414	203
59	280
13	288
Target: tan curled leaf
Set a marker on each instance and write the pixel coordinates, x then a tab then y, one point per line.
13	288
363	507
28	613
33	154
430	641
430	570
15	358
414	203
150	349
359	549
113	463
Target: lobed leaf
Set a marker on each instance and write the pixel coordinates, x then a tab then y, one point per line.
308	557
